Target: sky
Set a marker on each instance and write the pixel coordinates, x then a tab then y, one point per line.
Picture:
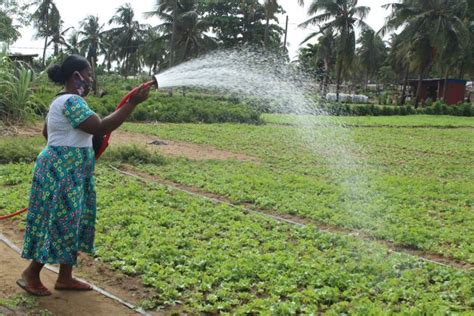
106	8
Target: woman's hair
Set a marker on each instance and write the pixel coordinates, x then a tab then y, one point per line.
60	73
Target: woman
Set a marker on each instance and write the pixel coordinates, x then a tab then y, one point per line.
62	208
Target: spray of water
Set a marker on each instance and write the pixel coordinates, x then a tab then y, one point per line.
284	89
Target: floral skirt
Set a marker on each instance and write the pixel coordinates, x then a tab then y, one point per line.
62	208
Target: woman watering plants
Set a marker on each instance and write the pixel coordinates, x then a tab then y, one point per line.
62	208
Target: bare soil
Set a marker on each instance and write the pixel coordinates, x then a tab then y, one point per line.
176	148
60	302
163	146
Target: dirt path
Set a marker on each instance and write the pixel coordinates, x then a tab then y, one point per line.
176	148
60	303
153	143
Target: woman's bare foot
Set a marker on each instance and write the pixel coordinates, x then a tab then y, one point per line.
71	285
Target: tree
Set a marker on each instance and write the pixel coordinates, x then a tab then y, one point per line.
372	53
433	26
237	23
8	31
400	58
13	15
191	38
126	38
154	51
465	56
322	54
72	44
91	42
342	16
186	29
272	7
168	11
47	20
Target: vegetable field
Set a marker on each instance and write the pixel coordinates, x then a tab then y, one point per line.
360	248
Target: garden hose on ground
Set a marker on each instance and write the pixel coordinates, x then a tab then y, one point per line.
106	137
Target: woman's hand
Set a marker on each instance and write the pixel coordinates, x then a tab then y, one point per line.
140	96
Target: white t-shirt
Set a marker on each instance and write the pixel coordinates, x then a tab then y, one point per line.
65	114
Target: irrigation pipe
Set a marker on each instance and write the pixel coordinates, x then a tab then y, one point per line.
282	219
12	246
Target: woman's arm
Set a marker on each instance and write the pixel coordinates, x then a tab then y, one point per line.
97	126
45	131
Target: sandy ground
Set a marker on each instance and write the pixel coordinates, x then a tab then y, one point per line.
59	303
175	148
163	146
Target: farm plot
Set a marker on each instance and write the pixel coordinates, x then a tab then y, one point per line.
207	257
414	186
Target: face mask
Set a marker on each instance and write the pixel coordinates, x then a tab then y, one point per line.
82	87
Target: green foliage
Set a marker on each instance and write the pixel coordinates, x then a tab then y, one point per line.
418	177
435	121
16	103
195	107
19	150
133	155
437	108
210	258
19	301
177	109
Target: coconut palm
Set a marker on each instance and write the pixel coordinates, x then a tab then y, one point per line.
91	42
271	7
191	38
126	38
342	16
8	31
72	44
154	50
371	53
46	19
400	58
168	11
435	26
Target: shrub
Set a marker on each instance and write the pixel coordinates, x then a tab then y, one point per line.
132	155
438	108
16	104
14	151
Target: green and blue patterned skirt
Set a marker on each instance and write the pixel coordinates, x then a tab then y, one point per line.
62	209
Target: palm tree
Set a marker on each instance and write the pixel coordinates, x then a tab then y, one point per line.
92	42
8	31
167	10
46	19
434	25
271	7
400	58
191	40
342	16
72	44
372	53
465	60
126	38
154	50
58	38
